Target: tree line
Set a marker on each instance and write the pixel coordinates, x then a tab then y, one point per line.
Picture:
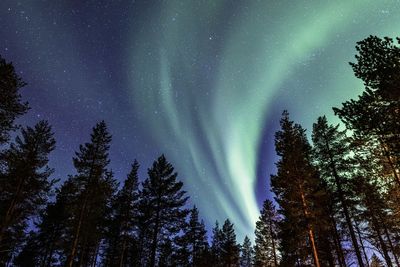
336	198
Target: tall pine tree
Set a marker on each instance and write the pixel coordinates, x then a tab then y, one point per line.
193	243
25	183
216	246
331	154
229	247
94	185
121	232
296	186
246	253
376	113
266	245
163	197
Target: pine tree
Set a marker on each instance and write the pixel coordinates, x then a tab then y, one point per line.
229	247
375	122
193	245
163	196
25	183
376	213
166	251
297	190
94	185
370	117
44	245
11	105
378	65
331	154
216	246
375	114
265	249
28	257
246	253
121	239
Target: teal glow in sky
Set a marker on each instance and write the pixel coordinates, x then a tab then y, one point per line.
210	72
204	82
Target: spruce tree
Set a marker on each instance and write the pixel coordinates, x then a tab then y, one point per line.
11	105
246	253
229	247
25	183
266	246
163	197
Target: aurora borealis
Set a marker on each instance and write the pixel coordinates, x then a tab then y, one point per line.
204	82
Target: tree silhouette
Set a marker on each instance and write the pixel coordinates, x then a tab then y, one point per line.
331	153
246	253
297	188
162	194
25	183
11	105
229	247
266	245
94	185
121	232
216	246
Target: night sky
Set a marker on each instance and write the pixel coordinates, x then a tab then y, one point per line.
204	82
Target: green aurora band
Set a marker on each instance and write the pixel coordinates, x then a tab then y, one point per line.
210	71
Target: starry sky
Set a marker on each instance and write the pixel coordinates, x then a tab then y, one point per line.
204	82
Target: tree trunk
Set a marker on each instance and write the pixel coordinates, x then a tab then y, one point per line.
362	244
72	254
338	245
381	242
154	243
82	212
121	258
273	243
49	256
8	216
96	253
390	244
310	229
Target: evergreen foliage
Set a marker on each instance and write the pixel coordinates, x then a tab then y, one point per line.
163	196
298	192
216	246
93	186
24	183
246	253
266	234
121	231
11	105
229	247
